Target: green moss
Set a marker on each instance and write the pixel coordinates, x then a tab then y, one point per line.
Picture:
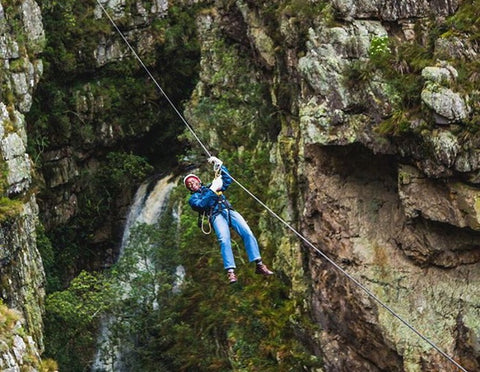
17	65
9	329
9	208
402	68
48	365
8	319
465	21
7	93
358	72
396	125
14	24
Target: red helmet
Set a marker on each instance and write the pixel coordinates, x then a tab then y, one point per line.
191	175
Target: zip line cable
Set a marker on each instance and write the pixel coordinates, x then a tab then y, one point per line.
291	228
360	285
153	79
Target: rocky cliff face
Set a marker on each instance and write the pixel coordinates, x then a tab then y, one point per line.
397	215
62	149
396	208
367	113
19	351
21	270
74	142
95	104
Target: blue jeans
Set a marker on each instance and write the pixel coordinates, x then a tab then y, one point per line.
220	225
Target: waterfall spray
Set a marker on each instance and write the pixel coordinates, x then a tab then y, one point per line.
150	202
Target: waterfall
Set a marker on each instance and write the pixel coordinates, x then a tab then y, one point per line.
150	202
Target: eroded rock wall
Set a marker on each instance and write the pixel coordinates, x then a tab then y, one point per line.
96	112
424	270
21	270
393	212
77	139
398	213
19	351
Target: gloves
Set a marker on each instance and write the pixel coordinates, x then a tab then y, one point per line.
217	184
217	163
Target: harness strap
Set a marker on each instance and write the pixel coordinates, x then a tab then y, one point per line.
206	232
225	206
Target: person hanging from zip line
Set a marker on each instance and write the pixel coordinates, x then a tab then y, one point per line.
210	201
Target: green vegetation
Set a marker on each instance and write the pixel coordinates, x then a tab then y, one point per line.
70	51
239	108
120	171
398	124
8	319
104	115
465	25
207	325
44	246
83	104
299	13
143	309
379	51
13	24
255	323
9	208
401	64
466	21
71	322
114	113
8	330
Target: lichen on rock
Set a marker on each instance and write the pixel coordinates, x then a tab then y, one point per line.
21	275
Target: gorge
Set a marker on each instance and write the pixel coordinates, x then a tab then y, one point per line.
356	121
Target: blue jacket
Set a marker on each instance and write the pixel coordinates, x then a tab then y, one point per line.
210	202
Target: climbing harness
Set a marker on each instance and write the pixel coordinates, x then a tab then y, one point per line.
223	205
287	225
201	222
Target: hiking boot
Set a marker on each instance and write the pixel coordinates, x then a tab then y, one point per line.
232	278
262	269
